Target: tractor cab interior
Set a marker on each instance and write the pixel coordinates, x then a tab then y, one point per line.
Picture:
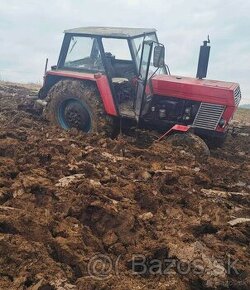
116	52
123	73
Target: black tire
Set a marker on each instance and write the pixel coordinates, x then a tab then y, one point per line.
76	104
217	142
191	143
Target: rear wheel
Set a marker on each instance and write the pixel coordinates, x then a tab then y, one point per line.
191	143
74	104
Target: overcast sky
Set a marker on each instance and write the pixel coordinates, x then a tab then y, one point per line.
32	30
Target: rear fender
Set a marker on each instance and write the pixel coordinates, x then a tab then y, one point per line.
48	83
99	80
54	76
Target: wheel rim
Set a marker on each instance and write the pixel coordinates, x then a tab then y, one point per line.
73	113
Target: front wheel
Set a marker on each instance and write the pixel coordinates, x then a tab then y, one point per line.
191	143
73	104
217	142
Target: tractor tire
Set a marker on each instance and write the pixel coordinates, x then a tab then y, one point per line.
217	142
190	143
75	104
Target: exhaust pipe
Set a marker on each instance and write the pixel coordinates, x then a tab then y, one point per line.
203	60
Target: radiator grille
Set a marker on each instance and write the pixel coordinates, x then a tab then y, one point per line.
237	96
208	116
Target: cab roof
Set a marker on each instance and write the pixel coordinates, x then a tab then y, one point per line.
114	32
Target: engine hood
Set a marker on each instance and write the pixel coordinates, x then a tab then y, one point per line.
209	91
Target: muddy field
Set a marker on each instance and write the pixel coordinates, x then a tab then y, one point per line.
86	212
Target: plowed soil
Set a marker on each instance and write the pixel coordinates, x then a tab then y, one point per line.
82	211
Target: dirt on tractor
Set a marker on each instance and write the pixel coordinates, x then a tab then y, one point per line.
82	211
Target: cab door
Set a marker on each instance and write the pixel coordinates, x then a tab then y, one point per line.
146	56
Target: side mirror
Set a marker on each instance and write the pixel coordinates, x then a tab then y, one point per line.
159	55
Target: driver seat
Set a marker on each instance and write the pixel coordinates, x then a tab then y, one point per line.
109	62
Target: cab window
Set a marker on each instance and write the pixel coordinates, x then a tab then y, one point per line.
118	58
137	44
118	48
83	54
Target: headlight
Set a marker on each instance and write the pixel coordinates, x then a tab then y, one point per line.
222	123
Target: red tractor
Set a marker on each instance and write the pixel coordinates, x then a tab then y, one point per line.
107	74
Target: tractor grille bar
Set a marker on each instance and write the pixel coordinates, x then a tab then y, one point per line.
208	116
237	96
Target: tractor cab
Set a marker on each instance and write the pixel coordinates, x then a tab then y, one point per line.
128	57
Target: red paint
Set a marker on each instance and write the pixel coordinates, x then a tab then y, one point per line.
75	75
181	128
106	94
101	82
209	91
